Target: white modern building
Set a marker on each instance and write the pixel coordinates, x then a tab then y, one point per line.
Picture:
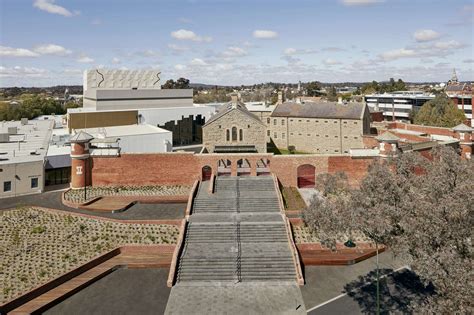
133	138
23	148
397	105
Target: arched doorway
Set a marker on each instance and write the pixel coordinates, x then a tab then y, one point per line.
206	173
243	167
224	167
263	167
306	176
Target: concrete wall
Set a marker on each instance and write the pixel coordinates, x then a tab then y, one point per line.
253	132
155	142
20	175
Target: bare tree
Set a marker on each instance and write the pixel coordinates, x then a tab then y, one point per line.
422	209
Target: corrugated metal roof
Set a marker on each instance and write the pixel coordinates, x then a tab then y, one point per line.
320	110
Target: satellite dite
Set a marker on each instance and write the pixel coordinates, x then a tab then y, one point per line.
121	79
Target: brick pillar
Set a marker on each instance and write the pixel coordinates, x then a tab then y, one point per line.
233	168
80	160
464	134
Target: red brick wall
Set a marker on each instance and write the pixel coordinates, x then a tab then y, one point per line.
146	169
184	168
425	129
355	169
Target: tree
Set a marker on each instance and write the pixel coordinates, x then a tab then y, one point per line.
332	94
439	112
313	88
181	83
422	209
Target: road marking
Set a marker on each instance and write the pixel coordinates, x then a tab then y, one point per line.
344	294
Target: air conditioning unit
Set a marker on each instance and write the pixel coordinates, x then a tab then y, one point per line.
12	130
4	137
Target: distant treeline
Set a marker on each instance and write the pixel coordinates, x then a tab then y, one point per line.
58	90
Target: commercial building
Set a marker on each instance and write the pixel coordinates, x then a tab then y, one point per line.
397	105
461	94
23	148
325	127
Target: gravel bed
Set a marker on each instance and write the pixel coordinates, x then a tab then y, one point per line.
77	195
38	245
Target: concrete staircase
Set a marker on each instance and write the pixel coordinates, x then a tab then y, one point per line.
236	235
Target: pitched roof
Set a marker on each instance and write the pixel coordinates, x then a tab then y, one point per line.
81	136
320	110
462	128
387	137
228	107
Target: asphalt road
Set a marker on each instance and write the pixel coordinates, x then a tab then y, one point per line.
124	291
168	211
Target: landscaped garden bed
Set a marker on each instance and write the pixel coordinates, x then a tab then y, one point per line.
292	199
37	245
303	235
77	195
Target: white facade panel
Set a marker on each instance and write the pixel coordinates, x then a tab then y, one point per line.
147	143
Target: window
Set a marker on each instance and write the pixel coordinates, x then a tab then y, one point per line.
268	121
345	137
274	122
307	120
299	120
227	135
317	121
282	122
283	135
275	135
335	121
220	126
34	182
325	121
326	136
355	122
234	133
248	126
241	135
268	133
7	186
345	122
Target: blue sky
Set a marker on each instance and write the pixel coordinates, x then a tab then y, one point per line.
46	42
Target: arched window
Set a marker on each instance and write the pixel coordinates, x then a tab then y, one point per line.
227	135
234	133
241	135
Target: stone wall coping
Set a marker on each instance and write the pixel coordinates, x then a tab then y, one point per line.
191	196
294	251
176	253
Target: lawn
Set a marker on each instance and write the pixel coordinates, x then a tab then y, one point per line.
37	245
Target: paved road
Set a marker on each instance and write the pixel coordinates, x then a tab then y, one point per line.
326	282
124	291
397	291
52	199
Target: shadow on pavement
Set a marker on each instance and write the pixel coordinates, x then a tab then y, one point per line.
399	291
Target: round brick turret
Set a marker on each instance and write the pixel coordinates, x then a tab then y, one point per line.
80	160
464	134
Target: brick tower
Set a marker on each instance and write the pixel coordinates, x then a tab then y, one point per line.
464	134
80	160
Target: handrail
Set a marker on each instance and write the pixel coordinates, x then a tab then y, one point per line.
279	196
192	194
239	254
176	253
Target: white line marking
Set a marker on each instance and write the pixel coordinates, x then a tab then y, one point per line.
344	294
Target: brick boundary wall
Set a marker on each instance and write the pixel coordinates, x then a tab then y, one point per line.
185	168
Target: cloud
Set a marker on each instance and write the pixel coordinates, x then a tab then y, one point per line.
198	62
265	34
50	7
452	44
183	34
19	71
180	67
293	51
360	2
234	51
397	54
84	59
333	49
468	60
16	52
116	61
149	53
177	48
51	49
426	35
331	62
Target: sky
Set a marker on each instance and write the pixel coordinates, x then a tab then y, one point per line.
225	42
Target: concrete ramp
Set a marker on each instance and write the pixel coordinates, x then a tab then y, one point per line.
239	298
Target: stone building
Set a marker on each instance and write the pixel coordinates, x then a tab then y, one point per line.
325	127
234	129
